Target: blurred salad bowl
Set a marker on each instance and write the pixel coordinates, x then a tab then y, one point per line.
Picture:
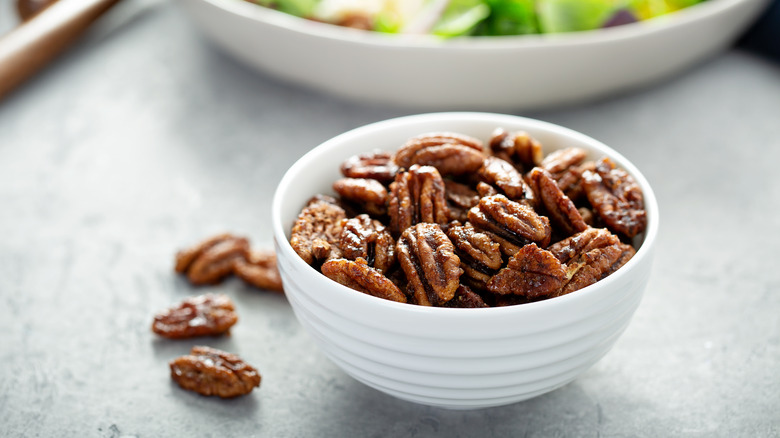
444	69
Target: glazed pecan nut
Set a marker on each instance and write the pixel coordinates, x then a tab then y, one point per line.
517	148
204	315
517	223
316	231
450	153
359	276
429	261
209	371
480	256
503	175
573	246
533	273
260	270
460	198
595	265
212	260
560	209
616	198
369	194
465	298
366	238
416	196
376	165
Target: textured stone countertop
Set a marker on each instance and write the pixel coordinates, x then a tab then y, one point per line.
144	138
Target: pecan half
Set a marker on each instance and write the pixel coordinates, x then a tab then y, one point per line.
376	165
460	198
466	298
417	195
209	371
480	256
594	265
211	260
560	209
359	276
572	247
369	194
429	261
204	315
260	270
616	198
503	175
517	148
450	153
316	232
515	222
561	160
366	238
533	273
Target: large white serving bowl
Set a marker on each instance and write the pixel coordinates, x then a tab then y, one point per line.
454	358
517	72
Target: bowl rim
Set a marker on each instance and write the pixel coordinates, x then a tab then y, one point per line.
311	157
279	19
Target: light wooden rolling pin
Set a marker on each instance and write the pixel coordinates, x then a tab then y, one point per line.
38	40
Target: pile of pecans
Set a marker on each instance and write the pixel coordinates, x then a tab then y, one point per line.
450	221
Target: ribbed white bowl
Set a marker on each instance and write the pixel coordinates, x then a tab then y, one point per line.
454	358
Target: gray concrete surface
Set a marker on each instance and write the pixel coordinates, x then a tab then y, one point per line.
144	139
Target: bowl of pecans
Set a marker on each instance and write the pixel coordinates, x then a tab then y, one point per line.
464	260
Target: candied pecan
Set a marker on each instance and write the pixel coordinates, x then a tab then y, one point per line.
316	232
212	260
503	175
204	315
451	154
515	222
594	265
561	160
366	238
616	198
460	198
369	194
516	148
376	165
532	273
359	276
209	371
466	298
417	195
480	256
429	261
572	247
560	209
484	189
260	270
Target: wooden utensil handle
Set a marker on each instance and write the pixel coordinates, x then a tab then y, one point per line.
34	43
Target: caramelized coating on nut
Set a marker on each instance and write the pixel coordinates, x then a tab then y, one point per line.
417	196
460	198
560	209
517	148
376	165
369	194
450	153
572	247
503	175
212	260
594	265
204	315
359	276
465	298
316	232
366	238
480	256
616	198
209	371
429	261
515	222
260	270
533	273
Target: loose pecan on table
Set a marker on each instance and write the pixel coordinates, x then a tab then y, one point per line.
316	231
517	223
366	238
212	260
450	153
429	261
359	276
260	270
376	165
417	195
533	273
209	371
204	315
369	195
616	198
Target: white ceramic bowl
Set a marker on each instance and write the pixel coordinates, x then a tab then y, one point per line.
454	358
517	72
